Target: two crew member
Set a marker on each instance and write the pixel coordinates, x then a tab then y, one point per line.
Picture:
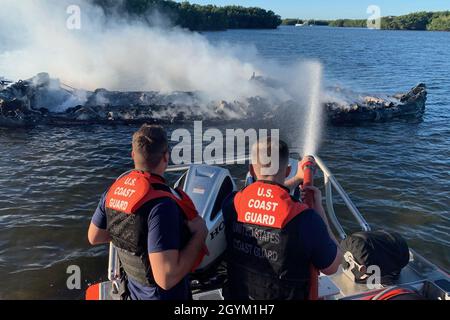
273	240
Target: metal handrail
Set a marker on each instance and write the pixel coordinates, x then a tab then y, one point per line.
330	208
329	182
113	263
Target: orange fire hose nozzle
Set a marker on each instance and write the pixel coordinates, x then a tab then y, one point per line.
309	169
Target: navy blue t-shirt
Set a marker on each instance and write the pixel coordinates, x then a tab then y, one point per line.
316	245
165	224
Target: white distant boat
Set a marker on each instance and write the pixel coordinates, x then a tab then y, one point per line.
304	24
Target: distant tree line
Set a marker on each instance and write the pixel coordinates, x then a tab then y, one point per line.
291	22
440	23
434	21
194	16
349	23
331	23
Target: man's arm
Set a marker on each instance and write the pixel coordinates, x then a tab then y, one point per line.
97	233
169	263
293	182
318	207
334	266
171	266
296	180
323	249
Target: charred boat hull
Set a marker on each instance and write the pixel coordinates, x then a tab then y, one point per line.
408	106
42	100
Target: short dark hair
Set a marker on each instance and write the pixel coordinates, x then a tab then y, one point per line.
284	151
268	145
151	142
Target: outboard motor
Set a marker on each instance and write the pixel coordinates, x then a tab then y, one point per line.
208	186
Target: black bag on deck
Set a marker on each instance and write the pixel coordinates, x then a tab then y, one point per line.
387	250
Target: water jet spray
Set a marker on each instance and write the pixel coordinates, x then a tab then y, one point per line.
312	137
313	128
314	113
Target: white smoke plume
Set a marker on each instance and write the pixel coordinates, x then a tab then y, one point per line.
131	56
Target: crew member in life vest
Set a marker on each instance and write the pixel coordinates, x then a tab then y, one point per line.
273	240
158	233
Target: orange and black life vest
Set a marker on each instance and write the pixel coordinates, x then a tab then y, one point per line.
263	239
128	204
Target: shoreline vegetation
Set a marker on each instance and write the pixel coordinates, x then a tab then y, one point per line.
192	16
218	18
422	21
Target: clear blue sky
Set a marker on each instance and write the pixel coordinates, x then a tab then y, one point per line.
332	9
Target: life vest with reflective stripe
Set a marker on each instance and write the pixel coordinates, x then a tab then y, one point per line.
128	203
263	244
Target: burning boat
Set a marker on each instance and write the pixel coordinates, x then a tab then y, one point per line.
43	100
378	109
